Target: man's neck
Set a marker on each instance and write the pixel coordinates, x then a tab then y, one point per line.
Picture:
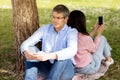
57	29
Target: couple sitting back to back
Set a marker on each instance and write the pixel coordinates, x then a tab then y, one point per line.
64	46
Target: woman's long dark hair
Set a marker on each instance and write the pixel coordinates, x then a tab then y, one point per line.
77	20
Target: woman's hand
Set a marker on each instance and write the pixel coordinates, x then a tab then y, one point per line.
95	28
100	30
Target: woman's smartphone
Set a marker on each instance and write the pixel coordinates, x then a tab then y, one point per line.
100	20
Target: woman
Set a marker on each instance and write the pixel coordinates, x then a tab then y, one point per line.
90	52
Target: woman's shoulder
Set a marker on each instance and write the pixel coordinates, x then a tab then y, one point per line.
83	36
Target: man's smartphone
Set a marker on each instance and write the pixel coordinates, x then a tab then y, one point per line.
100	20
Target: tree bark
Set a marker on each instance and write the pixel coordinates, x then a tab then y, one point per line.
25	21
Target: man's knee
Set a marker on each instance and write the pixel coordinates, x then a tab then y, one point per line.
31	73
66	77
30	76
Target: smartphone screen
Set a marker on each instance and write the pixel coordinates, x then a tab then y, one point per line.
100	20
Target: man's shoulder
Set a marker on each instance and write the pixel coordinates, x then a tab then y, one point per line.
46	26
72	30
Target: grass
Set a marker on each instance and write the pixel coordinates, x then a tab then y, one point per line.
110	9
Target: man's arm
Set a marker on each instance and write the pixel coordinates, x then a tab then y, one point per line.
63	54
31	41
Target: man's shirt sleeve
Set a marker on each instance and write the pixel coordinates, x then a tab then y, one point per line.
32	40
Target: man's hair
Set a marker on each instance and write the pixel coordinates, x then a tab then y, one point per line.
61	9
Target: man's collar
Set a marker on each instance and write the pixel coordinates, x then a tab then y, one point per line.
63	29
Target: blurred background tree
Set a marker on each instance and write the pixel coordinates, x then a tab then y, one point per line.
25	21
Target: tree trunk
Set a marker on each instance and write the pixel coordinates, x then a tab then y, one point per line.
25	20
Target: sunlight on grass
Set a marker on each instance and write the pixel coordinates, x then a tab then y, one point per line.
6	30
83	3
92	8
5	4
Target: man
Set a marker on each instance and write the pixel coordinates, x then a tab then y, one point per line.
59	45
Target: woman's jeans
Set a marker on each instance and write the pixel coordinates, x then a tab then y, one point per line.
103	51
59	70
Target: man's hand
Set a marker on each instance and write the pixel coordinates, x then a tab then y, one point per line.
42	56
29	56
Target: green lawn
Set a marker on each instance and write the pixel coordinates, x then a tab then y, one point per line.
110	9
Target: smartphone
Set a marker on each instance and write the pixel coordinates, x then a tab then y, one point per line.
100	20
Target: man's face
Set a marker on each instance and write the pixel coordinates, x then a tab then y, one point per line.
58	20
